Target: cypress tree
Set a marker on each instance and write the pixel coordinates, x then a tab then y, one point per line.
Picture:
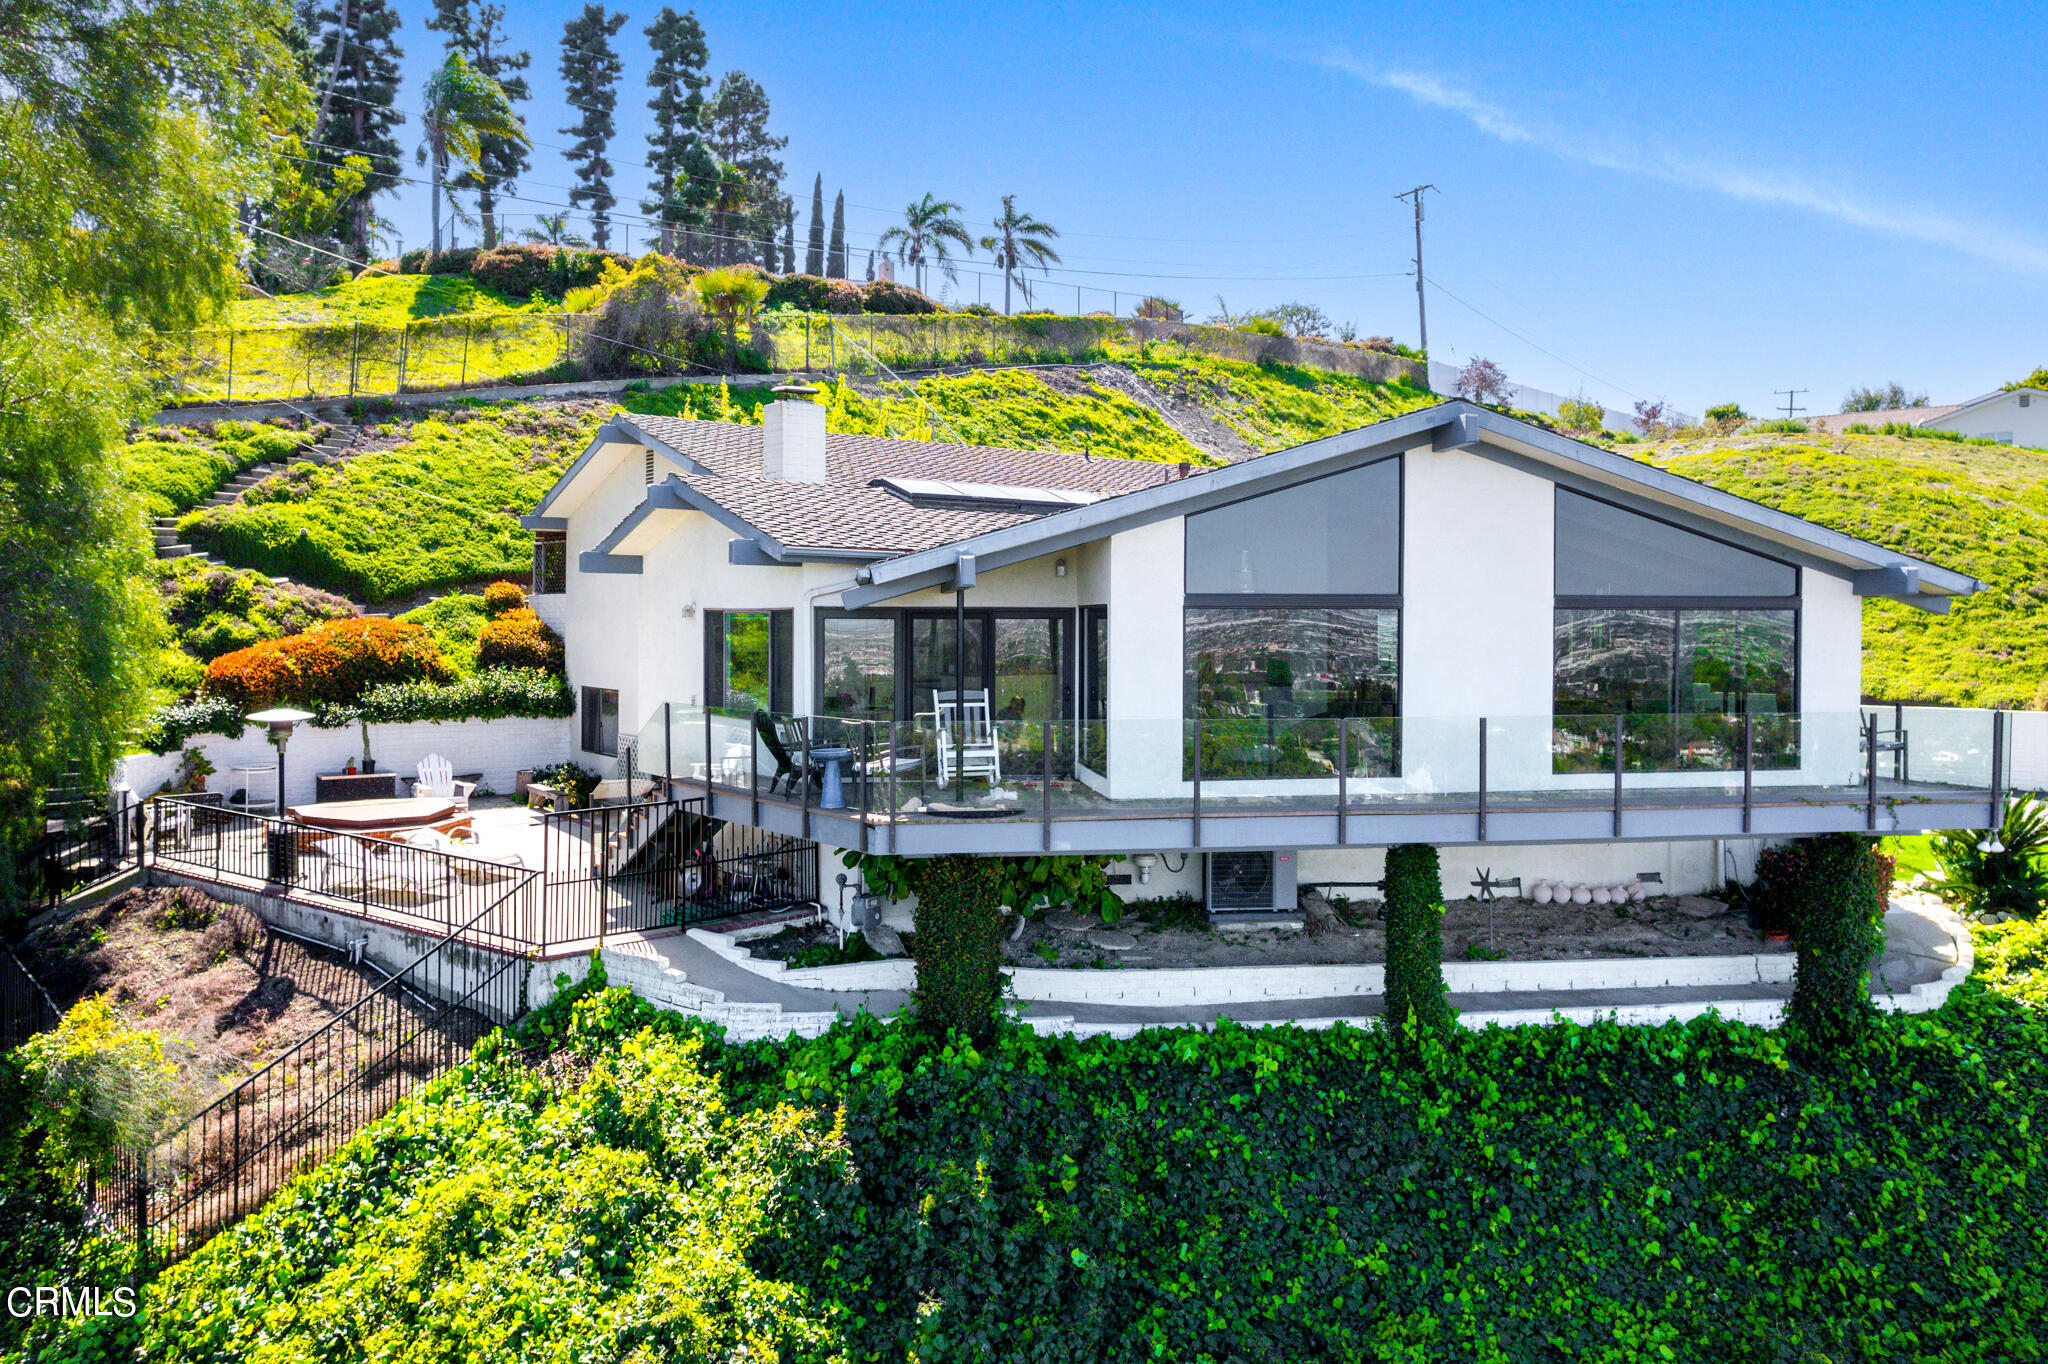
835	255
814	252
479	35
590	70
788	237
359	58
684	172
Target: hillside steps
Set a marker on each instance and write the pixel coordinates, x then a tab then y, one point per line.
329	450
645	969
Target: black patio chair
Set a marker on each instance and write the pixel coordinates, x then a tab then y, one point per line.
780	734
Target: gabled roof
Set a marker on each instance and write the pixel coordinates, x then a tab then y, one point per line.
721	461
1986	400
1455	424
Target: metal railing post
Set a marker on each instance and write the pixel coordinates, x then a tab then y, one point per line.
803	775
668	741
231	365
861	773
889	758
1870	771
463	382
1748	767
1045	811
1197	811
754	768
709	803
1343	774
1482	779
1617	774
1997	768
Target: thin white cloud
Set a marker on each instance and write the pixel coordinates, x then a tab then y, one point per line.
1909	222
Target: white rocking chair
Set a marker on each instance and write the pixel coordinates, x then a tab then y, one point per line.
437	778
974	747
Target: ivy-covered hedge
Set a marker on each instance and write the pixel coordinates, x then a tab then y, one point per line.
958	925
1415	943
1837	926
1692	1192
172	727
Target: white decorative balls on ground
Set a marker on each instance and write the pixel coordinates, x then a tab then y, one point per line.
1540	892
1602	895
1581	896
1636	892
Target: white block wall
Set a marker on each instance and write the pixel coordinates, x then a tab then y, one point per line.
496	748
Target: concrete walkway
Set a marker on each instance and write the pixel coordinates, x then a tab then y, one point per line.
1926	951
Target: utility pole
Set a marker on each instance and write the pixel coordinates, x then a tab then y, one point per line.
1791	397
1421	310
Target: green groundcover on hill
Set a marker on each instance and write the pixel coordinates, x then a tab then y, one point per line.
628	1189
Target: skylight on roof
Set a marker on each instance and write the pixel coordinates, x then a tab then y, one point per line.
940	492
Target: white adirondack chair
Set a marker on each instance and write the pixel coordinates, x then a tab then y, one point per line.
974	746
363	862
437	778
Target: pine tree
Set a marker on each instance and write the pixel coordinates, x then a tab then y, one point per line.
479	35
590	70
736	124
359	61
814	251
835	254
684	172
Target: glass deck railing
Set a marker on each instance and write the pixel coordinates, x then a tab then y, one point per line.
918	770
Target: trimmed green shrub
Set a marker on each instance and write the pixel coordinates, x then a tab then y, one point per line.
578	780
490	694
171	727
521	269
502	596
1837	924
519	639
957	942
813	294
887	296
1416	994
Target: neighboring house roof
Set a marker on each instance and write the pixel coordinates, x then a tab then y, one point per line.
1987	400
1837	423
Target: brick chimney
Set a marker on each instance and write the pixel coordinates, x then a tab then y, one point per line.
793	443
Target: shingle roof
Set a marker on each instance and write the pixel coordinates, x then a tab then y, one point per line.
845	513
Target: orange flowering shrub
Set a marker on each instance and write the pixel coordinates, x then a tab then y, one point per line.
519	639
334	662
501	597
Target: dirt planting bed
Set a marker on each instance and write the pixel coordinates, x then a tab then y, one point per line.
1677	926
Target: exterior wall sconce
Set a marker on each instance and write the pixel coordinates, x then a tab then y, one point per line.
1144	862
1059	568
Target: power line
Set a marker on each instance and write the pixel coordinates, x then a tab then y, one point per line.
1791	397
1619	388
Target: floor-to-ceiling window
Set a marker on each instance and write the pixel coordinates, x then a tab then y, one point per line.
1292	643
1683	644
878	665
1094	704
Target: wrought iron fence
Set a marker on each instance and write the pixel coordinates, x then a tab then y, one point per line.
663	863
82	846
25	1006
226	1160
400	882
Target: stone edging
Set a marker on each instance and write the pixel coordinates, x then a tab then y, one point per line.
1200	985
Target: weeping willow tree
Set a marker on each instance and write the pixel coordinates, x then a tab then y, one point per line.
132	136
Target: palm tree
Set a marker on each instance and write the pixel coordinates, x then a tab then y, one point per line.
462	107
1020	241
554	230
732	292
927	226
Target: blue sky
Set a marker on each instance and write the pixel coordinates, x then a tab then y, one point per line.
1641	201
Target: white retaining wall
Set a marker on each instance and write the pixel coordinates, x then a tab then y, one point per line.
495	748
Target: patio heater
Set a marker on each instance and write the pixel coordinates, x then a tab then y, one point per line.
281	843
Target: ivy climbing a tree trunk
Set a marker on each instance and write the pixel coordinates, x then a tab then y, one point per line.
958	927
1837	926
1415	944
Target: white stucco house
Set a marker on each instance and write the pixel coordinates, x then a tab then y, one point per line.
2017	416
1447	627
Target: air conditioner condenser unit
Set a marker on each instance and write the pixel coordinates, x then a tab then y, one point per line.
1251	883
